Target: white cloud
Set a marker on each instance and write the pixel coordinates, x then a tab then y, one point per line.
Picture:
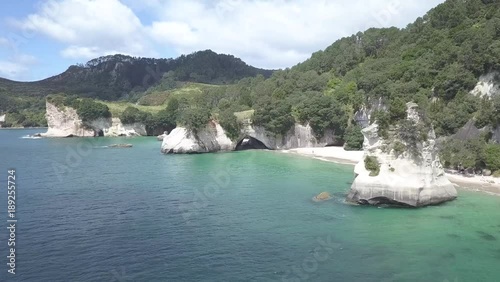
17	67
274	33
263	33
90	28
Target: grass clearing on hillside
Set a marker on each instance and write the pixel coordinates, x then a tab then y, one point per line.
189	90
116	108
241	116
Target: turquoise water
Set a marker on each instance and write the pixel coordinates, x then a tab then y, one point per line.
89	213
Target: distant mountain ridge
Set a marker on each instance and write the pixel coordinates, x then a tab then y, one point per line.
115	76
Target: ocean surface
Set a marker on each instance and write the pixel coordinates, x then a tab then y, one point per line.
90	213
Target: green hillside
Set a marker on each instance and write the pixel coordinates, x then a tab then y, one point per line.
435	62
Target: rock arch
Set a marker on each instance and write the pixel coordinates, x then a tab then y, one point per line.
250	143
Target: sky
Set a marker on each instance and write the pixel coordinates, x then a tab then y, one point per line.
39	39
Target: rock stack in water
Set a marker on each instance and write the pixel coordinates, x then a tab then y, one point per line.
402	169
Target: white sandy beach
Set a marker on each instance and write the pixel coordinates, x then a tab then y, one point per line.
332	154
486	184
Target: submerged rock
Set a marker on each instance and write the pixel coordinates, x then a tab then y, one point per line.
414	177
120	146
323	196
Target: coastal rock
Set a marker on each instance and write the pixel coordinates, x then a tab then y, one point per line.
212	138
2	120
64	121
408	179
299	136
162	136
323	196
117	128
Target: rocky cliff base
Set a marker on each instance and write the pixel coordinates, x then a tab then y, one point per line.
64	121
213	138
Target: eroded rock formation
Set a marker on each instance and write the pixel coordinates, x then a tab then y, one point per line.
410	178
64	121
213	138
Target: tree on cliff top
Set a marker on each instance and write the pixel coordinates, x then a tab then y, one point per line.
89	110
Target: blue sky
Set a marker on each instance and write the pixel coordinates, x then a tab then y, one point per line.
39	39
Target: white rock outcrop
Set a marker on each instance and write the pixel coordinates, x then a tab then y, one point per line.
406	179
488	85
299	136
212	138
64	121
161	136
117	128
363	115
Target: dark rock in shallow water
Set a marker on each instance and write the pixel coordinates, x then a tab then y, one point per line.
120	146
447	216
486	236
455	236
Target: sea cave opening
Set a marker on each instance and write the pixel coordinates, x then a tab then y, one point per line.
250	143
98	133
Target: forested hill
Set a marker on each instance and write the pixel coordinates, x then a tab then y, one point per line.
435	61
116	76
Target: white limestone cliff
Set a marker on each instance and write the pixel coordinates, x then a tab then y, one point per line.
488	85
299	136
213	138
407	179
64	121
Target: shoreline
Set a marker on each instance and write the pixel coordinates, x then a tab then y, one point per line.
19	128
484	184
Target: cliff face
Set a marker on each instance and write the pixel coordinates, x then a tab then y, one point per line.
299	136
488	85
405	178
213	138
183	141
64	122
363	115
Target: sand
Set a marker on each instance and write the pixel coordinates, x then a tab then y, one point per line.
487	184
332	154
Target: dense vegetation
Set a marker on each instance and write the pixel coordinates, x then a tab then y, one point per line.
372	164
120	77
87	109
435	62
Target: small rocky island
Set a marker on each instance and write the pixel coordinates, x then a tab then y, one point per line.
401	166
